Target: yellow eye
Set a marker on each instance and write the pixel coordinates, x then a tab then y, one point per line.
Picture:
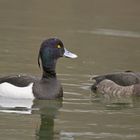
58	46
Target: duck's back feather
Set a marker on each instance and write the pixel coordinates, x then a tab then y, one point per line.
120	78
18	80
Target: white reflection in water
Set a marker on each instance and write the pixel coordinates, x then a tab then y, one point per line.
83	111
21	106
16	111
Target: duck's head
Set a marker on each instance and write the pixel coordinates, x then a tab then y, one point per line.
50	50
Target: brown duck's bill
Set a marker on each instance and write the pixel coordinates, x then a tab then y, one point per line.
69	54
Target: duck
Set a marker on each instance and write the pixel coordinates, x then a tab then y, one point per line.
125	83
46	87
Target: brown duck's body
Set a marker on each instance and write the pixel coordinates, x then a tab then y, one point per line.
118	84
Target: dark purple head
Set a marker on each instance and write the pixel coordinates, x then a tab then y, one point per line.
50	50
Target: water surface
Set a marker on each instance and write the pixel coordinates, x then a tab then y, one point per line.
106	37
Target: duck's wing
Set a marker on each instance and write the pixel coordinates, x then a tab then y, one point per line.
18	80
120	78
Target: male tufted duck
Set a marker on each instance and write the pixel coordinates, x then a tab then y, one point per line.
46	87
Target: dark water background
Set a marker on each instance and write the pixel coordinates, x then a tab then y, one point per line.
106	37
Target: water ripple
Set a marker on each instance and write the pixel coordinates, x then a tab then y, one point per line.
111	32
97	135
82	111
72	93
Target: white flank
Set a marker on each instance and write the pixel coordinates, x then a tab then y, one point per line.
10	91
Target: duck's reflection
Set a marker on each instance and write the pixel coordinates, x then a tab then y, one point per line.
21	106
116	103
47	109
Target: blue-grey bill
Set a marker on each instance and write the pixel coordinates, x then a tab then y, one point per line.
69	54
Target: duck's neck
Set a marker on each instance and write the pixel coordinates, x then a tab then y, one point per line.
48	73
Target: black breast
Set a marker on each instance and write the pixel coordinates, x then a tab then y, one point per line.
47	89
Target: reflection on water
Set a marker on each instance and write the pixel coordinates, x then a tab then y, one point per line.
114	103
10	105
48	111
77	117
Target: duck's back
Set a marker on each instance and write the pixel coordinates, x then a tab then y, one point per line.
120	78
18	80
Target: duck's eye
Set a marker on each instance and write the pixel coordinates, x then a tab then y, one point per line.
58	46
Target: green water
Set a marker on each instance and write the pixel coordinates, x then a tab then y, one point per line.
106	37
